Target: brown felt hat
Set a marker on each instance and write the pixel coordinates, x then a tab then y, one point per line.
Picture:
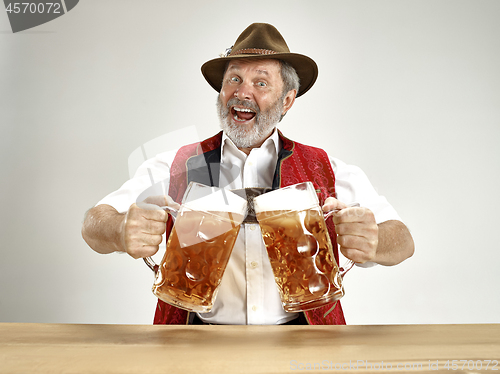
261	40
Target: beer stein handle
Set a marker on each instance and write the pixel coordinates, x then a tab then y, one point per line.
148	260
349	263
347	266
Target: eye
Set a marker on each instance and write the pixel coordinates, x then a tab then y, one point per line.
234	79
261	84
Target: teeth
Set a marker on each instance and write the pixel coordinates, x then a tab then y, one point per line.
243	110
236	110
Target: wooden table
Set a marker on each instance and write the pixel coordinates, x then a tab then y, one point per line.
65	348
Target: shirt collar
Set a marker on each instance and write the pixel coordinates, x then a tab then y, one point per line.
273	140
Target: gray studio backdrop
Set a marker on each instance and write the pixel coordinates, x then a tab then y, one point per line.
407	90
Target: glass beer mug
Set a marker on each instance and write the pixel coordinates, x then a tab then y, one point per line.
199	247
299	247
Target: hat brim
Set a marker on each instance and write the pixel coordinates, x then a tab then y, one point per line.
306	68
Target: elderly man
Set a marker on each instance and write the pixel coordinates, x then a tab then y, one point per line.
258	81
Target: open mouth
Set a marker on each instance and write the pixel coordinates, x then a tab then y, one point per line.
241	114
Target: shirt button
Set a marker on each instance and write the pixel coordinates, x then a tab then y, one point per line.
253	227
254	264
254	308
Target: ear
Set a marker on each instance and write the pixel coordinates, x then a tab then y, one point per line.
288	101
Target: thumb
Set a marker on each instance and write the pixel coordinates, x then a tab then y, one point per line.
332	203
154	202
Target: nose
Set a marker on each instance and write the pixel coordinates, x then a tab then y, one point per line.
244	92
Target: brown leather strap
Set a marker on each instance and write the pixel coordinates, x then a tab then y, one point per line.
249	194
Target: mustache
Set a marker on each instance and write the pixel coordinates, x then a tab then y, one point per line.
245	103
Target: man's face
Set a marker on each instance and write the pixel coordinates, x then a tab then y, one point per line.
250	103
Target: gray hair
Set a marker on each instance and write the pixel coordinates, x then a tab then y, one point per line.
290	78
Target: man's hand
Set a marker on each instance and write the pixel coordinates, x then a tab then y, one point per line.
357	230
362	240
138	231
144	225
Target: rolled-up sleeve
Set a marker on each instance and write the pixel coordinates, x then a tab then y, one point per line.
151	179
353	186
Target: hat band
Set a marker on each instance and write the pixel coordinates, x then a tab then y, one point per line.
257	51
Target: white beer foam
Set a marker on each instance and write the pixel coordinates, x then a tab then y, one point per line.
205	198
286	199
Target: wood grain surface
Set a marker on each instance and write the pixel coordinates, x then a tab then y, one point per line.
67	348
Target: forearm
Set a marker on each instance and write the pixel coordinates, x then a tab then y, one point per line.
102	229
395	243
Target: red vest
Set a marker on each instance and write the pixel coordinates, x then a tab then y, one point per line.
297	163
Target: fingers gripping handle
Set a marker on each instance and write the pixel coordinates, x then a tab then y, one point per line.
148	260
349	263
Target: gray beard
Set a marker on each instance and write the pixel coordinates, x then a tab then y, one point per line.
265	122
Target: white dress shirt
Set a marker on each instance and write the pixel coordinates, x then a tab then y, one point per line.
248	292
